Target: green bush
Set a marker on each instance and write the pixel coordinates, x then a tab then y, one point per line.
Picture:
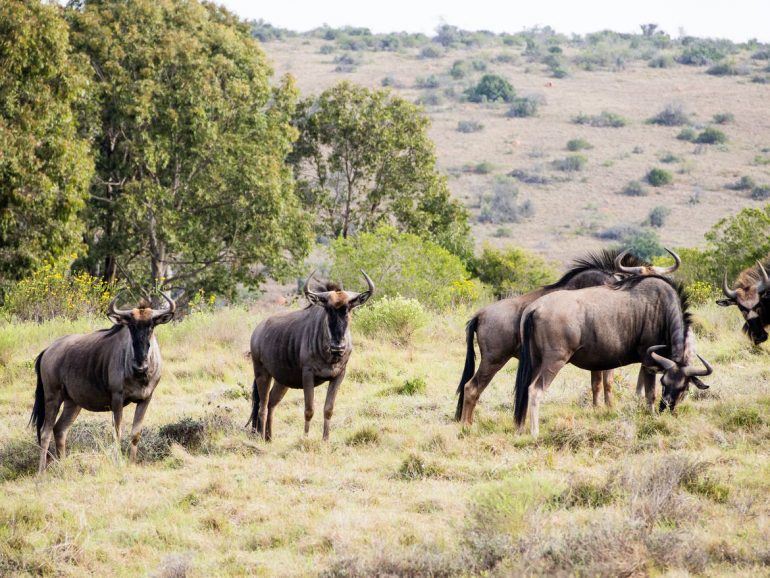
724	118
604	119
570	164
643	243
468	126
657	217
745	183
412	386
673	114
723	69
53	291
431	81
659	177
578	144
491	88
760	192
402	264
711	135
737	242
395	318
634	189
687	134
459	69
512	270
523	107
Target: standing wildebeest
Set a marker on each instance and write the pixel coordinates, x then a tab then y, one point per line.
599	328
101	371
497	325
752	296
301	350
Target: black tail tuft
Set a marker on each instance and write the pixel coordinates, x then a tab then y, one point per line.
525	373
470	364
254	409
38	409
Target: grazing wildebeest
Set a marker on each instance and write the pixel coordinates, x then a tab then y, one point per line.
752	296
301	350
634	320
496	326
101	371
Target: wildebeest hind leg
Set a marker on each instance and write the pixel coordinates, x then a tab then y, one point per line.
596	386
549	369
70	411
476	386
263	381
607	379
276	395
52	406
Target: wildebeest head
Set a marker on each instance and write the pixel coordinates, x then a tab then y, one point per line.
751	298
140	321
646	269
338	304
676	378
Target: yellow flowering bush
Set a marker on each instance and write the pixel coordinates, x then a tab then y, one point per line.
52	291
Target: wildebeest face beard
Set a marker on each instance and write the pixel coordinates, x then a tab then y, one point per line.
337	319
675	385
755	322
141	338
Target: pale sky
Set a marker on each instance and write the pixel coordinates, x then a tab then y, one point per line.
738	20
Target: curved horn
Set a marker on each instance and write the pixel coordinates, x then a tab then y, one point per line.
369	282
672	268
663	362
694	372
765	283
113	312
726	288
622	268
169	310
305	288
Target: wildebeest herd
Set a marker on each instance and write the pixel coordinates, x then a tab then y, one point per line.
608	310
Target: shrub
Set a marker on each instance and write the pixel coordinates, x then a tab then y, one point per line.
700	292
529	178
578	144
669	158
662	61
640	241
673	114
395	318
634	189
657	217
500	205
429	99
711	135
482	168
491	88
523	107
687	134
701	52
570	164
745	183
724	118
659	177
468	126
512	270
431	81
604	119
723	69
53	291
414	467
412	386
459	69
431	52
365	436
390	81
400	264
761	193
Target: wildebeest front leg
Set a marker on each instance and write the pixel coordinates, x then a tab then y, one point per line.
607	378
116	405
646	381
69	412
136	427
308	387
331	394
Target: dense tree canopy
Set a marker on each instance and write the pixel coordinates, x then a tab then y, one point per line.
363	158
190	142
45	167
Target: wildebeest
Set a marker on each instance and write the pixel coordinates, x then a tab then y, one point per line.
636	320
301	350
752	296
496	326
101	371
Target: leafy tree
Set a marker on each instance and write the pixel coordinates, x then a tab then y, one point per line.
45	167
191	184
512	270
491	88
738	241
364	158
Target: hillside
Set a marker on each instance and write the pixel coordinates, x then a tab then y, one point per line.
572	208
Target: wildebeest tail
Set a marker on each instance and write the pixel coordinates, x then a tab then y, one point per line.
38	408
525	372
254	407
470	364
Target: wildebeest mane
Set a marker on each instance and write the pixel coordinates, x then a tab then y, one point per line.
751	276
603	260
110	331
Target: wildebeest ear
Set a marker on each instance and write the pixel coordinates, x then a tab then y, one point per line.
163	318
117	319
359	299
725	302
698	383
315	298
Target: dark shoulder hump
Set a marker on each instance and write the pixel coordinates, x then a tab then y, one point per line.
603	261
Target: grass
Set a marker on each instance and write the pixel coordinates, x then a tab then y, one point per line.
400	488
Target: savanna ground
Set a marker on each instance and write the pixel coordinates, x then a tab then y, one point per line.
400	489
580	206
